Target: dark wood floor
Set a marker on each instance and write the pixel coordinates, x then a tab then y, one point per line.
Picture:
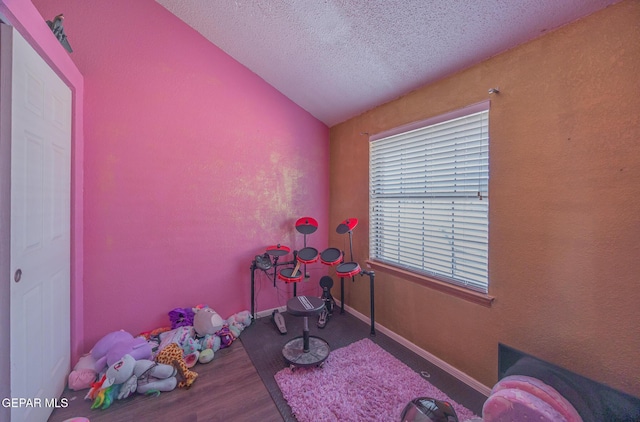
239	384
227	389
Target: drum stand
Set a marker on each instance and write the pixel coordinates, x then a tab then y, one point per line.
304	225
326	283
258	263
264	263
347	226
372	276
253	290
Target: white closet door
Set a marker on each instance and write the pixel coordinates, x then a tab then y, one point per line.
40	230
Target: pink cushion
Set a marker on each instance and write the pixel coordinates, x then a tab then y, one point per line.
510	405
541	390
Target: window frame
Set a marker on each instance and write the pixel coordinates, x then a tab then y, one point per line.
424	276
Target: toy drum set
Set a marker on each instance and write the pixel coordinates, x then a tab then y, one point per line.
331	257
351	269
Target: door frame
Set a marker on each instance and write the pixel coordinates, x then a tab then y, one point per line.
40	134
26	19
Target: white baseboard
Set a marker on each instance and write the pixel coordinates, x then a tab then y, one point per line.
471	382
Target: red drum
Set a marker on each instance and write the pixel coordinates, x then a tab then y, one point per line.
278	250
348	269
287	276
307	255
331	256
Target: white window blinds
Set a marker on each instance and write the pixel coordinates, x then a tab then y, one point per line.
429	200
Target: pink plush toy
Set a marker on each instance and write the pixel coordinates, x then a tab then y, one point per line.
84	373
112	347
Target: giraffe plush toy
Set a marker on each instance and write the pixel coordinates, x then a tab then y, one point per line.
172	355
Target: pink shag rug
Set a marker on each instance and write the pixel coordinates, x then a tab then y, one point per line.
359	382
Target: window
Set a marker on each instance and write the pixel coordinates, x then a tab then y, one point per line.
429	199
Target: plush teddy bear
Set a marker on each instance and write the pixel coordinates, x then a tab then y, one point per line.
206	321
225	333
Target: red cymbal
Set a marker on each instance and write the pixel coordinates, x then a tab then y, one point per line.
306	225
347	225
278	250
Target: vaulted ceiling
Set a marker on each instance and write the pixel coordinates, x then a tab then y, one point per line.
339	58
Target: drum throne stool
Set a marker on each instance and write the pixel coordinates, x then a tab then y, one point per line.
305	350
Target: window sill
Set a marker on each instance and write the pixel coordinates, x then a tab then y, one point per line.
466	294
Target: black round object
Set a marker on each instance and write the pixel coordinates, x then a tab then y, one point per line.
348	269
305	305
326	282
426	409
308	255
331	256
310	352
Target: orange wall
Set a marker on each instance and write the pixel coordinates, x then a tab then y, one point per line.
564	193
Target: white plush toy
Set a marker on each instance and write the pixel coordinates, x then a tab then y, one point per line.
238	322
131	375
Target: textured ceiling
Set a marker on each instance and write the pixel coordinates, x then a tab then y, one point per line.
339	58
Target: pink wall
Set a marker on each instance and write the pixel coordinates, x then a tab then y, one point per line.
193	165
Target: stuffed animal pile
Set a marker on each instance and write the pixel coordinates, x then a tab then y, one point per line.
157	361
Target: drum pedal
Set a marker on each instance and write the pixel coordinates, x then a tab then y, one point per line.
278	319
326	283
323	318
